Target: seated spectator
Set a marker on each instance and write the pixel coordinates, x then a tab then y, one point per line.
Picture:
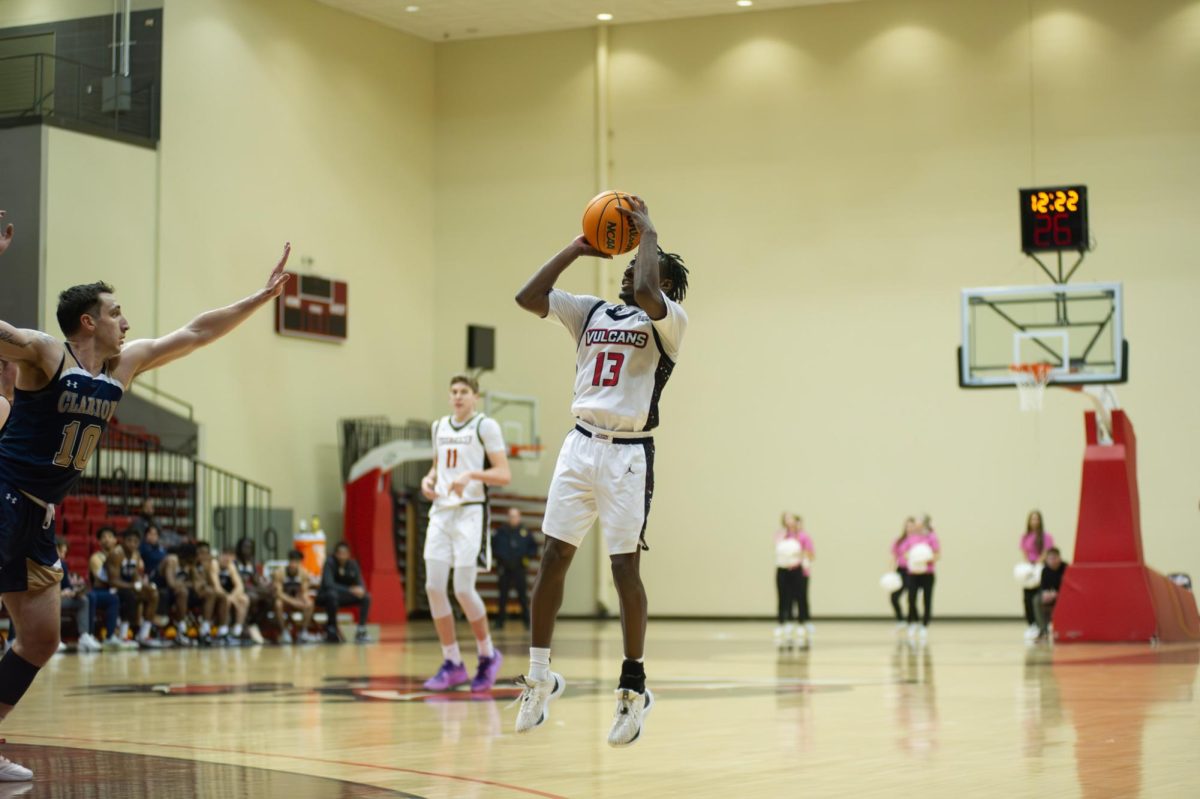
179	581
138	596
103	597
256	585
212	603
152	551
143	520
291	594
231	597
342	586
1053	570
75	600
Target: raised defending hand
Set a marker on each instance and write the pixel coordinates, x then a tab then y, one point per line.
639	215
278	276
6	236
582	246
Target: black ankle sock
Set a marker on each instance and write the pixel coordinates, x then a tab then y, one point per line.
633	676
16	675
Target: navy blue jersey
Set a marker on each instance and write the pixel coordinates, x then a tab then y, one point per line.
53	432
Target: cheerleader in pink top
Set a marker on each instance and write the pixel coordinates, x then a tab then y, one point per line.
901	569
921	553
1035	543
793	562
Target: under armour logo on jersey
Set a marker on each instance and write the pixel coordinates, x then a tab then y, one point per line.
11	499
72	384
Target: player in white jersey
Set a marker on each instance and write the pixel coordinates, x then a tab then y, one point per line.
469	455
624	355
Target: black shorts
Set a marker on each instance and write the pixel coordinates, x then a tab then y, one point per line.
22	537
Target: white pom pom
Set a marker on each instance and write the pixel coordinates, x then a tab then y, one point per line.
919	558
1028	575
891	582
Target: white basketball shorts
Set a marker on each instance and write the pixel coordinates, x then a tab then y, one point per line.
456	534
605	476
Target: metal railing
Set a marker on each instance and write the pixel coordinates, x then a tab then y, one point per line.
191	497
49	87
357	437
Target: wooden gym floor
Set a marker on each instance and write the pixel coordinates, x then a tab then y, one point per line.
973	713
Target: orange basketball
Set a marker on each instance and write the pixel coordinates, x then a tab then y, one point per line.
605	228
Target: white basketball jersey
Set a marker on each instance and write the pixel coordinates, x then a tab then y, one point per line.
623	359
463	448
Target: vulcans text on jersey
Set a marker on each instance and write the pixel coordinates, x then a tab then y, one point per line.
601	335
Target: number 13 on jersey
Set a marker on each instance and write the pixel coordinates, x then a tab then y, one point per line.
608	369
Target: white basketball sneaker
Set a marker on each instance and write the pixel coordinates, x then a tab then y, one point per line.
13	772
630	715
535	700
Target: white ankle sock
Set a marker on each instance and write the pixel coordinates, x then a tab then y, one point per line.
451	653
123	631
237	631
539	663
485	648
144	630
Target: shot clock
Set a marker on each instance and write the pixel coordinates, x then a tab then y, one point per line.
1054	219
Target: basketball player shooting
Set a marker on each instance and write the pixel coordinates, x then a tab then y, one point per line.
66	393
624	355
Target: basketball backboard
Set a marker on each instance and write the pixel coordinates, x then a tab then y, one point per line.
518	418
1076	329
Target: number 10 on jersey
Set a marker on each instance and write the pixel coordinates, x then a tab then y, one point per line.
608	369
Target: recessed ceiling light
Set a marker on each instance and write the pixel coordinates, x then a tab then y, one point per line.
745	3
604	17
411	9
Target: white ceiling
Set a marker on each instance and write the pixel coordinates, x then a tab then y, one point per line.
438	20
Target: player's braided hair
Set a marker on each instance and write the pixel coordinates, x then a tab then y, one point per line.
671	266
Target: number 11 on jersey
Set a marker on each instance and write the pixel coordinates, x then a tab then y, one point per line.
608	369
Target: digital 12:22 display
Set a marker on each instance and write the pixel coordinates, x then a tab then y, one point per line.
1054	219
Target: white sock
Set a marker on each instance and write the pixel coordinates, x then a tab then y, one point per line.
237	631
485	648
539	663
205	627
222	631
451	653
123	631
144	630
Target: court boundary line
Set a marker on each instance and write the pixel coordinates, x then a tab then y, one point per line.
15	738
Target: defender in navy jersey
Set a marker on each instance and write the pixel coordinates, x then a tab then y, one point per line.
66	393
624	355
8	380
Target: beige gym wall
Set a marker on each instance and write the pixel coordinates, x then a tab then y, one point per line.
281	120
285	120
834	175
99	197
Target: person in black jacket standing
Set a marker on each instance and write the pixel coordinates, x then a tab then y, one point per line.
342	585
513	547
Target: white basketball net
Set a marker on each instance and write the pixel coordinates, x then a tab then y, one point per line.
1031	380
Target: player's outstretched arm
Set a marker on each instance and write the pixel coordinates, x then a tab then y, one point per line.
647	285
146	354
534	296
